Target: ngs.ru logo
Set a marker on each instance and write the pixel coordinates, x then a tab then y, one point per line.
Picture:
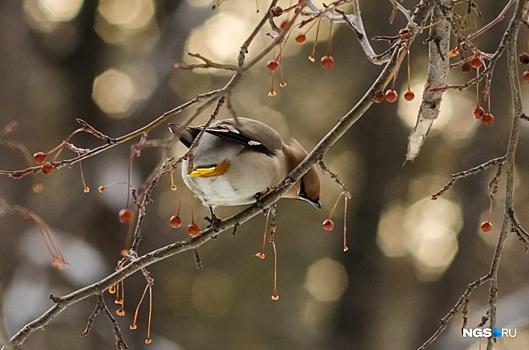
489	332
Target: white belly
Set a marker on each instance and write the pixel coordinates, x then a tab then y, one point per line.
240	183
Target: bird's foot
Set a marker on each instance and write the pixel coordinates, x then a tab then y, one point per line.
213	221
260	195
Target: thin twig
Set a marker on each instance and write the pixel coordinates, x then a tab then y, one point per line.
472	171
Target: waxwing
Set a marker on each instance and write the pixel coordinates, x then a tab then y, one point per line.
238	160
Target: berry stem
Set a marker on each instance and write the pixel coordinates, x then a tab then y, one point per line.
133	325
311	57
86	189
409	71
273	241
261	254
329	47
335	204
345	248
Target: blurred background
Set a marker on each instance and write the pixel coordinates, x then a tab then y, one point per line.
110	62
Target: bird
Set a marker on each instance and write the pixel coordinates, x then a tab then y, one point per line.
237	161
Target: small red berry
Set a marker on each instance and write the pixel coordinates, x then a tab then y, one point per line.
391	95
526	76
193	230
328	225
300	38
125	216
487	119
47	168
486	226
283	24
465	67
409	95
476	62
175	221
327	62
524	58
39	157
272	65
379	97
478	112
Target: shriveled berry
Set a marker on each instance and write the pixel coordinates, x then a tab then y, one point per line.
260	255
409	95
486	226
47	168
276	11
39	157
453	53
300	38
120	312
272	65
391	95
524	58
403	34
125	216
487	119
379	97
327	62
328	225
526	76
466	67
478	112
193	230
476	62
175	221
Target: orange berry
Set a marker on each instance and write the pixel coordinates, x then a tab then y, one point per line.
175	221
486	226
409	95
487	119
272	65
47	168
478	112
328	225
526	76
379	97
327	62
300	38
39	157
260	255
391	95
193	230
133	326
125	216
476	62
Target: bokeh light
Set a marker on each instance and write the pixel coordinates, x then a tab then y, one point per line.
326	280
